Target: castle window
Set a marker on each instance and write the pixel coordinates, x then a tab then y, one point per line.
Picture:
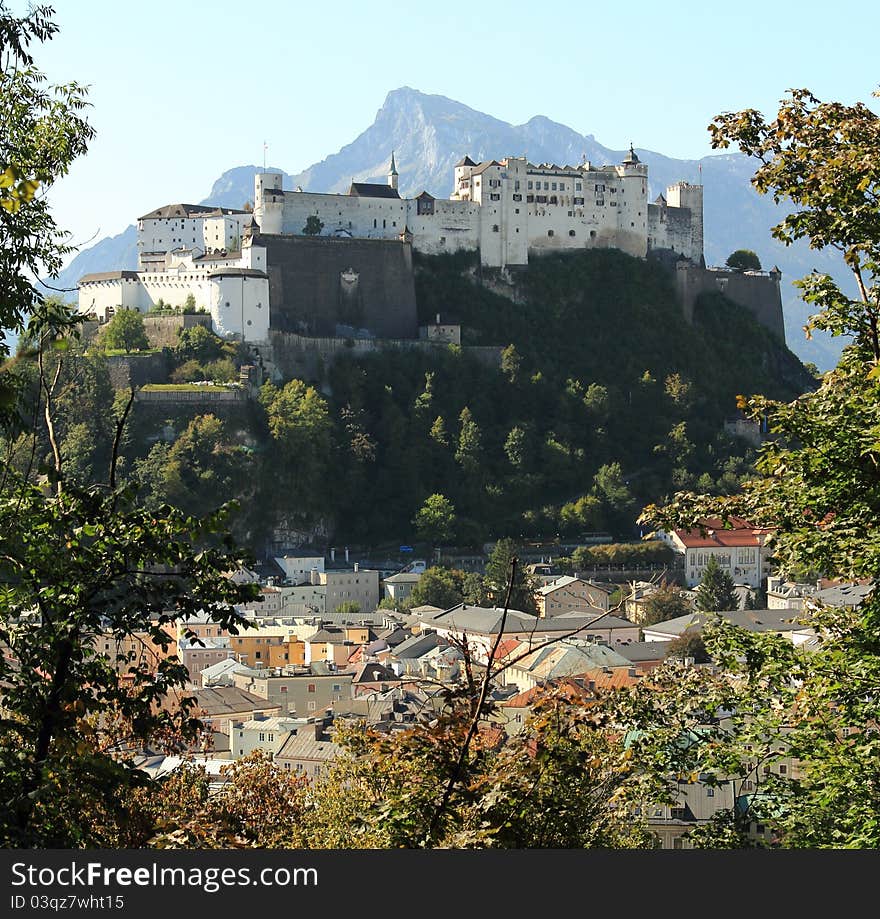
572	233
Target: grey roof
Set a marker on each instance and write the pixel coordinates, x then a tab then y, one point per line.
599	620
484	166
237	273
843	594
403	577
637	651
372	672
488	620
418	645
754	620
467	161
229	700
372	190
189	210
108	276
304	746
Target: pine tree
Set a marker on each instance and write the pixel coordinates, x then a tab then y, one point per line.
716	591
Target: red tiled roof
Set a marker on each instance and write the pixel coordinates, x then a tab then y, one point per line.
737	532
505	646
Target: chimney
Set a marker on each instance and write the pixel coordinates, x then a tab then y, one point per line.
438	319
346	553
332	553
313	577
356	566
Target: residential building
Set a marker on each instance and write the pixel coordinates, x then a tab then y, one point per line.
739	548
566	594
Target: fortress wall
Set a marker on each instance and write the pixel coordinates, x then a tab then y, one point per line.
317	283
162	331
306	358
757	292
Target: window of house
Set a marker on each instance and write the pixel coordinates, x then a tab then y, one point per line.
312	687
310	706
550	232
262	736
783	769
495	228
572	233
553	186
529	185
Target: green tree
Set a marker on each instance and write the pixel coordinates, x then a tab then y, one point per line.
313	226
435	520
743	260
665	603
439	587
816	486
438	432
125	332
511	363
469	454
689	644
43	132
348	608
198	343
716	591
496	579
300	427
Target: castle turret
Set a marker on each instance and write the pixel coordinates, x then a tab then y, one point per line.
392	173
268	201
632	205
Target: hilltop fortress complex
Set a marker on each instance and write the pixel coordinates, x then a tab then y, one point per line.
325	265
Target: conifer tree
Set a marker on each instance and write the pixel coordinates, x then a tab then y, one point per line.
716	591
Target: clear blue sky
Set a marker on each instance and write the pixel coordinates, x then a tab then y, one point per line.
185	90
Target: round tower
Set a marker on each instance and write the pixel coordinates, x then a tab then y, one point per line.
268	201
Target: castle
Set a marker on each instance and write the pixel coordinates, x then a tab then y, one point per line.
313	263
508	210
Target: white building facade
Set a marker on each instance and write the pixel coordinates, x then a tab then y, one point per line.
510	210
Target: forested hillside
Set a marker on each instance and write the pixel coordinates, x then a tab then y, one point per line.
605	399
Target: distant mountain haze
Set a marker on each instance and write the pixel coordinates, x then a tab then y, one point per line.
429	134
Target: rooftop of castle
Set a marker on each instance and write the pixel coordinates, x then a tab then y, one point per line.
189	210
372	190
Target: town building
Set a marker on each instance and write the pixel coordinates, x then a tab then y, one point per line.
739	548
